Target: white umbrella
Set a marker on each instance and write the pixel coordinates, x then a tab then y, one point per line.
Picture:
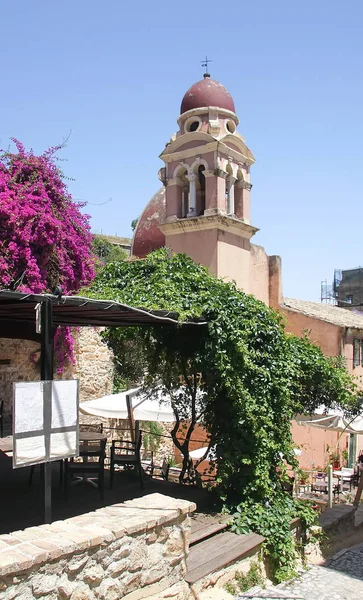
200	452
144	408
334	420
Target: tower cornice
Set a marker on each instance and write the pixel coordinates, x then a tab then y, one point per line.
217	220
170	154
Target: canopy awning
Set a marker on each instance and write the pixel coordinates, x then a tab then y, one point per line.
18	314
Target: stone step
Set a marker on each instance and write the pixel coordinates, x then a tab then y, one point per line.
258	593
219	551
339	512
203	529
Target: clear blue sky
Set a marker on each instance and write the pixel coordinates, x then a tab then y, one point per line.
114	73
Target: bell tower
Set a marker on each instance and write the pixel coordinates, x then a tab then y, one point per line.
207	184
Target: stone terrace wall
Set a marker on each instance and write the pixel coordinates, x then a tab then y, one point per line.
133	550
94	366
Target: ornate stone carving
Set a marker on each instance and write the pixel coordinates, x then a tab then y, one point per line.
220	173
162	175
244	185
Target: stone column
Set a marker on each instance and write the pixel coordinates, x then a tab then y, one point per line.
230	195
215	191
173	194
242	200
275	282
192	195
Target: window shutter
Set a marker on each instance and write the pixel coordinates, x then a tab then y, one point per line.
356	352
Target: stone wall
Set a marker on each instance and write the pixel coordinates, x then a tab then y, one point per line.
94	364
133	550
19	361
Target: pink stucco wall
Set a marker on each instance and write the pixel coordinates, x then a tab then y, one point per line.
201	246
323	334
333	341
314	444
259	273
234	259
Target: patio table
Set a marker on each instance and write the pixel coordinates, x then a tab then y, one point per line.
321	485
344	475
6	444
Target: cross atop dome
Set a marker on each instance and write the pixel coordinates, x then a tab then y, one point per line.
205	64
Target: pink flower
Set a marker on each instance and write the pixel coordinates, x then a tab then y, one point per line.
45	239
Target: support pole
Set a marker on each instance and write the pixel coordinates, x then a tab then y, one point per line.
137	431
131	417
46	374
352	450
358	492
330	486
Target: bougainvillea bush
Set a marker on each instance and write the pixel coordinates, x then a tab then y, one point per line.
45	240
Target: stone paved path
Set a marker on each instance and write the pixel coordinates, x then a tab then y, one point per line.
341	578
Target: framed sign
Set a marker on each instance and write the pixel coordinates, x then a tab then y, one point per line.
45	421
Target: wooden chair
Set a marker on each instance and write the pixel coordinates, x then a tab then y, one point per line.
126	453
356	477
97	427
154	470
93	463
347	478
288	486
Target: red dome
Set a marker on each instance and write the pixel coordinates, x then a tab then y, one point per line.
207	92
147	236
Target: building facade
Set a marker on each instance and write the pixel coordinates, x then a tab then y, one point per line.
348	288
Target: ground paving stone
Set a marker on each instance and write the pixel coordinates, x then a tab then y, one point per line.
341	578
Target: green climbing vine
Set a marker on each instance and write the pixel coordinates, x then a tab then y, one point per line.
241	376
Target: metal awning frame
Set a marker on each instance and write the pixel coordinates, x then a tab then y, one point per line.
36	317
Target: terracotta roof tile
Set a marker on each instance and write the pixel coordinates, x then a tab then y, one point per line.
325	312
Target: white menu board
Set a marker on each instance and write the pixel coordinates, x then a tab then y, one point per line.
64	406
29	413
45	421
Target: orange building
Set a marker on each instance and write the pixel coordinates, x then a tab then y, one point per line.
203	209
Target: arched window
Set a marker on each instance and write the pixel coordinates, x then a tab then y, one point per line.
230	180
185	199
200	200
182	191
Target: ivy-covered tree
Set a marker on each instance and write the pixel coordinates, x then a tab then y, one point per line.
45	239
134	223
241	376
251	376
105	251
